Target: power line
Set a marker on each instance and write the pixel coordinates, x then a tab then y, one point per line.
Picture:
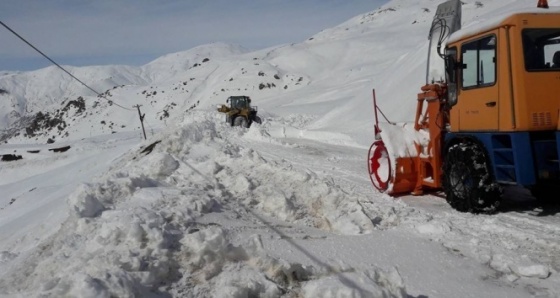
62	68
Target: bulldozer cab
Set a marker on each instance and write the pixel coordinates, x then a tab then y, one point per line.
239	102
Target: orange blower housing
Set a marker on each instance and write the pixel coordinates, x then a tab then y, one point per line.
412	174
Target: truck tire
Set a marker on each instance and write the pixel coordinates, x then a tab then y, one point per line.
467	182
241	121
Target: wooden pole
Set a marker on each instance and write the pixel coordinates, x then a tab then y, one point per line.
141	119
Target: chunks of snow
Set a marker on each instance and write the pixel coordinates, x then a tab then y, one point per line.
535	270
84	203
159	164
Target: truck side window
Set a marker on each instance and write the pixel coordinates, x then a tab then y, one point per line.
540	47
479	62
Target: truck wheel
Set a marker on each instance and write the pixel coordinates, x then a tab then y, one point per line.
241	121
467	181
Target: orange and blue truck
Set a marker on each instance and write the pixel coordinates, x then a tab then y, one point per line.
488	116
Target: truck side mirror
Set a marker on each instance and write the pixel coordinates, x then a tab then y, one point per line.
451	67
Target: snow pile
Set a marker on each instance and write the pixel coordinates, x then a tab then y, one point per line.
137	229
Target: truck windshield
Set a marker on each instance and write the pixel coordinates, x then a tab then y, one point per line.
541	48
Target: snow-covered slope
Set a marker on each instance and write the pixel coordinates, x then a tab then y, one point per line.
384	49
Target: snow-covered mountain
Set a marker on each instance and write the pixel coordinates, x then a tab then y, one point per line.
383	49
282	209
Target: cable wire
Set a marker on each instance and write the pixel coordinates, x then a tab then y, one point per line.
444	32
62	68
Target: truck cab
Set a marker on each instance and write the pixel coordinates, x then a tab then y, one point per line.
505	78
488	115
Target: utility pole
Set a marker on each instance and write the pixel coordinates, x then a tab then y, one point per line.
141	119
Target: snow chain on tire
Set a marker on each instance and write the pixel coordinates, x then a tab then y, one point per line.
467	181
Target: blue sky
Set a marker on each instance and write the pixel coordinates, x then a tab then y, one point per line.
134	32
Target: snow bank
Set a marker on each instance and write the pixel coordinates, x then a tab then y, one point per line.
136	231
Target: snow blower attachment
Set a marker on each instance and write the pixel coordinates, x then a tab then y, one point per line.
417	167
487	116
405	159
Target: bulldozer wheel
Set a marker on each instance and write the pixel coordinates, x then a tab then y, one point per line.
379	166
467	181
241	121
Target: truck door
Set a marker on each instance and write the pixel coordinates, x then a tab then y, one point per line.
478	98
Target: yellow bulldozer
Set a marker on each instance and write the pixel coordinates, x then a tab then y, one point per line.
239	111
